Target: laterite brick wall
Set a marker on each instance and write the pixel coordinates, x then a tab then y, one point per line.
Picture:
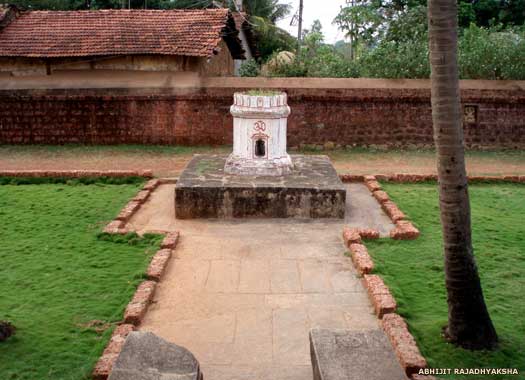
346	112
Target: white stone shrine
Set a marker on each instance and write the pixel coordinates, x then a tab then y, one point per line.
259	135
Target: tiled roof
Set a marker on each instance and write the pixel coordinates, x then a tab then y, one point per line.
117	32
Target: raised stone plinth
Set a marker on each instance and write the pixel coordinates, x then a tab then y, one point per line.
352	355
311	190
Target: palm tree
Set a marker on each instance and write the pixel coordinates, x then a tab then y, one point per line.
270	10
469	324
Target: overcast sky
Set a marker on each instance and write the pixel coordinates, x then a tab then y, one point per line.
324	10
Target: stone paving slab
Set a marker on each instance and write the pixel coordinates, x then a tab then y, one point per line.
343	355
243	295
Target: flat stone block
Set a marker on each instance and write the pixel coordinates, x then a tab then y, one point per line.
145	356
223	276
348	355
312	190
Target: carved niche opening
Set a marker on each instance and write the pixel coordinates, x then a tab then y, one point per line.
260	148
470	114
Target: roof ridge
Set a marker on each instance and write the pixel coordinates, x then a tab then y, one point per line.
216	10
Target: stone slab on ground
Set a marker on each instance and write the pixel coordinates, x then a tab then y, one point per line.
145	356
312	190
353	355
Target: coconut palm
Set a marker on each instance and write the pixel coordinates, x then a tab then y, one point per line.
270	10
469	323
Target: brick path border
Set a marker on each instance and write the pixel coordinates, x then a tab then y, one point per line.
385	305
75	173
380	296
118	225
143	296
415	178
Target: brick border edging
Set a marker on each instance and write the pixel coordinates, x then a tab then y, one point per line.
404	229
381	297
384	304
394	326
415	178
118	225
75	173
143	296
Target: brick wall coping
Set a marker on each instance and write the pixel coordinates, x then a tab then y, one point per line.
127	80
359	83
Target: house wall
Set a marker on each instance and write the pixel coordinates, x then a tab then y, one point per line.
221	64
160	109
218	65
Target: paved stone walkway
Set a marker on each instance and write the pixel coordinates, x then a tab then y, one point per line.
242	295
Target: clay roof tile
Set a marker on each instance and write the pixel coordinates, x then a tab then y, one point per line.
49	34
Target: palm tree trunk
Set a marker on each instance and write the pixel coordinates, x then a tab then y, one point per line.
469	323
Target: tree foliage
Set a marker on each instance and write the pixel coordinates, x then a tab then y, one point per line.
271	10
368	22
484	53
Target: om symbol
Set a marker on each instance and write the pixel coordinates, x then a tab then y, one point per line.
260	126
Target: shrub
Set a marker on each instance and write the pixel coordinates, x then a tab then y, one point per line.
408	59
492	53
249	68
484	53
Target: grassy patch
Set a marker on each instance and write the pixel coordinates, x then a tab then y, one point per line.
262	92
75	149
70	181
508	155
414	272
64	286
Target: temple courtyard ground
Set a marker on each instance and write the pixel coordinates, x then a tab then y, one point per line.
242	295
166	161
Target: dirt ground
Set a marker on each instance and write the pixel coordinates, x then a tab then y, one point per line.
168	161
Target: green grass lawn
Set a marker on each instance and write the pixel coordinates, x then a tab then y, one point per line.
414	272
61	285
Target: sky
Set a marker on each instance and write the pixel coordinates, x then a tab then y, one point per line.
324	10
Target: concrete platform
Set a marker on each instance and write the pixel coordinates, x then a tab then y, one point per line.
312	190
